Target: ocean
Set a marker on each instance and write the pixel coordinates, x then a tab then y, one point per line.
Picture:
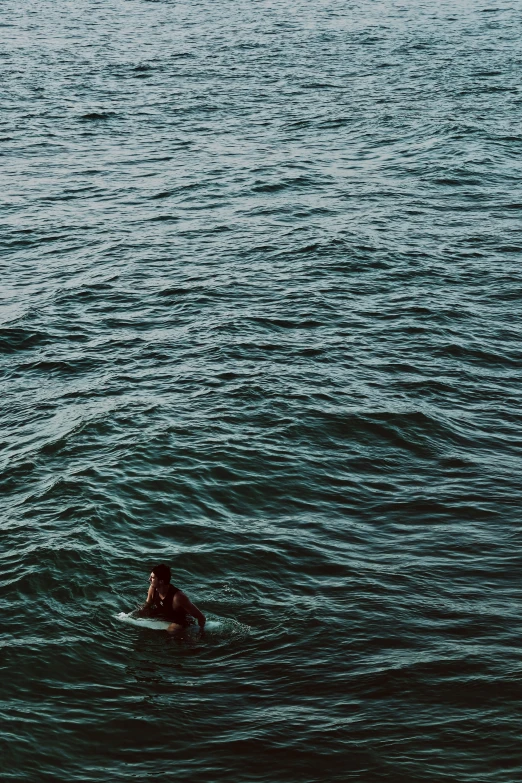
260	320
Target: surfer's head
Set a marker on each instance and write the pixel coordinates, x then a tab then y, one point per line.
162	573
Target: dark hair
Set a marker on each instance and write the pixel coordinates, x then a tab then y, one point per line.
162	572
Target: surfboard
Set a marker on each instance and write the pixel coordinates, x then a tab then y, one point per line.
143	622
162	625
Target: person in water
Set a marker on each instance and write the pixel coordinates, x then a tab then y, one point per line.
168	602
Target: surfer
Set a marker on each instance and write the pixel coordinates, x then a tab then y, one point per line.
168	602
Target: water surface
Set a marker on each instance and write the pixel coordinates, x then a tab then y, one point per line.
260	319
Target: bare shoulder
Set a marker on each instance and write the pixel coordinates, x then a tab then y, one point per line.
179	598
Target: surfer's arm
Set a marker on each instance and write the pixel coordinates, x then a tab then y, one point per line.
180	599
146	607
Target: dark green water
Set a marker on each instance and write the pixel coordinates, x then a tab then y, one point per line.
260	319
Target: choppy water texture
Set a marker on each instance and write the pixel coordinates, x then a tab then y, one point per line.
260	320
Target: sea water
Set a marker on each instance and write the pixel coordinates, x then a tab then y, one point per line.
260	320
